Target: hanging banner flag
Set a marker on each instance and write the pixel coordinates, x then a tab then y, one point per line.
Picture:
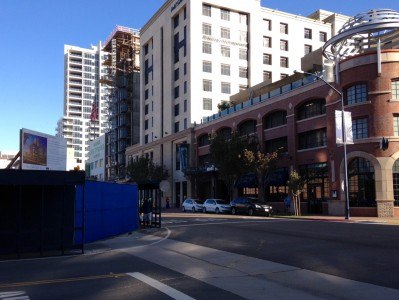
348	127
184	156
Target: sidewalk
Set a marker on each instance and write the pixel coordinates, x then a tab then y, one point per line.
387	221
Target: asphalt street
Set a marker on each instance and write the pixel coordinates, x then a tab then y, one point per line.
198	256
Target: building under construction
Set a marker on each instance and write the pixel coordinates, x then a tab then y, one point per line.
123	76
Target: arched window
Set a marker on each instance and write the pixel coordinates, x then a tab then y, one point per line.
203	140
276	119
225	132
395	177
361	183
312	108
356	94
247	127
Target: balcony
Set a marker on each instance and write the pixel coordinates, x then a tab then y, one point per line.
72	81
76	96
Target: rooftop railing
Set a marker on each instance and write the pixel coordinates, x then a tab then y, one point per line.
262	98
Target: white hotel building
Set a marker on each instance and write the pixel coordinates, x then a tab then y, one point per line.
195	54
82	70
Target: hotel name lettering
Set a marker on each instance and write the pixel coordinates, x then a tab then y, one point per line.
227	42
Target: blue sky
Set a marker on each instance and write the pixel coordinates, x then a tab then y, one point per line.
33	34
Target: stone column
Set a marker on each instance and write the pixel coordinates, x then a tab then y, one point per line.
384	188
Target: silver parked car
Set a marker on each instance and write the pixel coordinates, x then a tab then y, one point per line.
193	205
216	206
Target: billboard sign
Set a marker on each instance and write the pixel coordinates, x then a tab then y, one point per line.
40	151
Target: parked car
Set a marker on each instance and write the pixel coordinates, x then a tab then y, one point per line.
250	206
216	206
193	205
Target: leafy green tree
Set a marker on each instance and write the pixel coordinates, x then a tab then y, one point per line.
263	165
144	170
295	185
224	105
226	154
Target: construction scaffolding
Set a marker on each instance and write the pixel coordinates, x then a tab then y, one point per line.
123	78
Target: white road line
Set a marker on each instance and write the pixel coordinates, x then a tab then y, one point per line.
175	294
17	295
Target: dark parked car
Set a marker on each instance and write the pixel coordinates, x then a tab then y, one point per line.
250	206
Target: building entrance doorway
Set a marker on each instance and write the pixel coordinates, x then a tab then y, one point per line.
315	198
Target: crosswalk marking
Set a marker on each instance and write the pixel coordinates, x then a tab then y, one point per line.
14	295
175	294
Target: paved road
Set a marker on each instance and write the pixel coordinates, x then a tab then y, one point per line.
200	256
357	251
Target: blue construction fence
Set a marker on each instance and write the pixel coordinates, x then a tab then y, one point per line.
109	209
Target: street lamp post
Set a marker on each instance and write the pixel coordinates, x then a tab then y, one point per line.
346	184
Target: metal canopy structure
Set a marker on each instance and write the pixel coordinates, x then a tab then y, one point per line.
363	33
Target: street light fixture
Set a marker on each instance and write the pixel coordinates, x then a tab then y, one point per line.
346	184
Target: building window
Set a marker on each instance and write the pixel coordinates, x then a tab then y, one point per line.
146	94
185	105
207	66
225	14
206	48
207	104
177	92
176	21
206	29
146	49
360	128
277	145
225	87
267	41
206	10
312	108
395	89
307	34
308	49
268	24
146	139
284	62
225	69
267	59
396	124
203	140
312	139
185	123
225	33
243	72
145	124
177	74
146	109
225	51
361	183
177	109
267	76
243	19
177	125
243	36
356	94
185	87
322	36
243	54
283	45
278	118
284	28
207	85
